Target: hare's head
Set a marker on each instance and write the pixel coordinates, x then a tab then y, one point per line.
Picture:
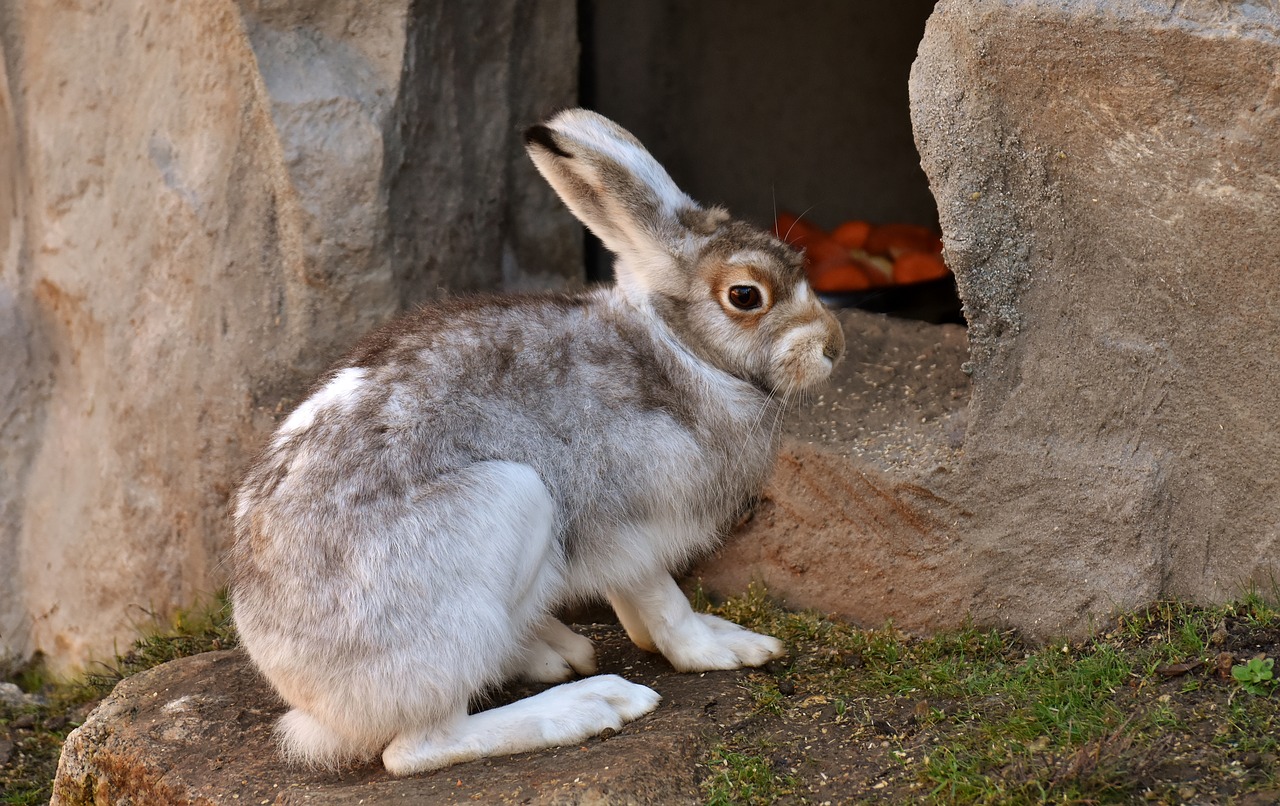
733	294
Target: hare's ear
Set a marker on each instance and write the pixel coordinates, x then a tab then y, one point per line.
615	187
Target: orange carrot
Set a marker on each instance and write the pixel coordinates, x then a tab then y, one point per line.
916	267
795	230
822	250
879	268
852	234
838	277
896	240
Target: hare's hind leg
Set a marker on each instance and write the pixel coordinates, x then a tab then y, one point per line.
465	572
565	714
656	613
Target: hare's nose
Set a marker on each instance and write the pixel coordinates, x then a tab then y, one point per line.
832	350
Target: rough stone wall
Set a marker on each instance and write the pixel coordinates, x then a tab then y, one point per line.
1108	182
1108	176
201	204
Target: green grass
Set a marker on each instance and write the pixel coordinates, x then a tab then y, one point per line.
202	628
28	776
740	778
994	719
1012	722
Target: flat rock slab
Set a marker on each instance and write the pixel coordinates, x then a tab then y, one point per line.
199	731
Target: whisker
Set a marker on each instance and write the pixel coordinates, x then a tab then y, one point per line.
799	218
782	410
773	194
764	408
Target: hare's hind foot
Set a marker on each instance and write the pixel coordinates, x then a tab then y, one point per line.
562	715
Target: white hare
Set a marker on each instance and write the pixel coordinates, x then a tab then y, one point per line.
406	535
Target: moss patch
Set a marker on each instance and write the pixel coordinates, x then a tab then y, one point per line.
1147	711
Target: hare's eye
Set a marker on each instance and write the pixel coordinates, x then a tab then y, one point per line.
744	297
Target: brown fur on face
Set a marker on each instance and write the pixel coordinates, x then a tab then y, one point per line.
698	310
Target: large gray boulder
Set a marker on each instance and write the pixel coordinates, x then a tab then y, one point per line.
1108	182
200	206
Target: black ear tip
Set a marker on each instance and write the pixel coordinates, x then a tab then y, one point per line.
542	136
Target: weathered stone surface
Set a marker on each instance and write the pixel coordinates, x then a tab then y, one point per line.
200	205
459	127
1108	187
198	730
1119	270
193	224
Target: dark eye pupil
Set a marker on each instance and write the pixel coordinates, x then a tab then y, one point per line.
744	297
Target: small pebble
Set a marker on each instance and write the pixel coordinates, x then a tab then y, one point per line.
24	722
12	696
1224	662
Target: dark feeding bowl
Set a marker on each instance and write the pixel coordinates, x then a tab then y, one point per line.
934	301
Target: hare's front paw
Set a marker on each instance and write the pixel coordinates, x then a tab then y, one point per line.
709	642
656	613
557	654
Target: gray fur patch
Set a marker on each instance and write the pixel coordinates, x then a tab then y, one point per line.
578	392
700	221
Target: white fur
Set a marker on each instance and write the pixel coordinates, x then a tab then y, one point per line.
605	138
660	616
342	390
748	257
643	253
306	742
806	343
566	714
497	594
557	653
737	393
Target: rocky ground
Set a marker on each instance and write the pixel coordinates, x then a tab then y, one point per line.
1149	711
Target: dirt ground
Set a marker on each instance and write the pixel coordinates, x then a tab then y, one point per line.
1148	712
1150	725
